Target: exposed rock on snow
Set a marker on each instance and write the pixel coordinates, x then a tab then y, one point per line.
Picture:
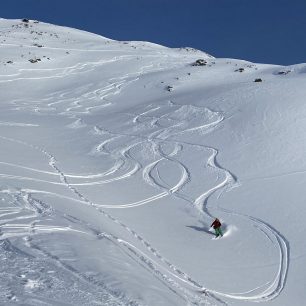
200	62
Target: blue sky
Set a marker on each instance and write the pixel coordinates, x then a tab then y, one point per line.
266	31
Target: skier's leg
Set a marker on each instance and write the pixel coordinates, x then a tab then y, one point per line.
220	232
216	232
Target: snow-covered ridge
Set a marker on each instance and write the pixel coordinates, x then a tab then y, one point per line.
34	34
115	158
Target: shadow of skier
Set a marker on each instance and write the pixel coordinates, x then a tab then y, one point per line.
200	229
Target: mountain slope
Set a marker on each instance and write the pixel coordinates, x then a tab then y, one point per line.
116	157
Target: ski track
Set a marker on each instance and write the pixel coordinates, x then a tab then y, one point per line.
271	292
195	299
230	181
123	159
151	265
29	210
278	283
156	138
138	253
66	71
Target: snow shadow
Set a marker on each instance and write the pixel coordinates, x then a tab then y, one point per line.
200	229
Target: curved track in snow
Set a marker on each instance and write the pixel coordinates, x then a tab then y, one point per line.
151	176
155	127
273	288
157	269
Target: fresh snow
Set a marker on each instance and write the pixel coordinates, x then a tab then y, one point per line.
115	158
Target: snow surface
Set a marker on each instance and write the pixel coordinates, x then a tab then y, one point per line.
115	158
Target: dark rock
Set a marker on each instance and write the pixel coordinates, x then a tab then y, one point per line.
200	62
284	72
188	49
25	20
169	88
34	60
9	62
239	70
258	80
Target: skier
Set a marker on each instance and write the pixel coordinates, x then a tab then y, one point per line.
217	227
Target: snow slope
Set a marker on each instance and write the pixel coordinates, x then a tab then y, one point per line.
115	158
